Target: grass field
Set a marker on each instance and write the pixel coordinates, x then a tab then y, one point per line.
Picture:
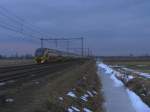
78	81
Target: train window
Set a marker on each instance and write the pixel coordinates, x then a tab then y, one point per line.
39	52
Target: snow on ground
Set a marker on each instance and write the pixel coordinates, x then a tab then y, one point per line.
117	83
85	97
137	103
130	77
145	75
94	92
71	94
140	65
70	110
128	69
76	109
61	98
87	110
112	73
2	83
73	109
115	74
90	93
107	69
9	100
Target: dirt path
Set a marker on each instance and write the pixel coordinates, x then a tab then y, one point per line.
116	98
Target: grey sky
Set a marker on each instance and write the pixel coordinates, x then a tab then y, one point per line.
111	27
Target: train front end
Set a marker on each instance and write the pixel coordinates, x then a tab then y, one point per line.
41	55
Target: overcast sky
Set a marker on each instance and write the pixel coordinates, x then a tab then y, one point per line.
110	27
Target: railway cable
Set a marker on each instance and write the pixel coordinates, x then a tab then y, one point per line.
24	26
26	23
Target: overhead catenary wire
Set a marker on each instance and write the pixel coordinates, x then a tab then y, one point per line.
18	24
21	26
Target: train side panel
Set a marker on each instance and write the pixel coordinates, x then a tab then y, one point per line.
43	55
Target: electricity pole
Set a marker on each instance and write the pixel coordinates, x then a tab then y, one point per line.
64	39
88	52
82	46
68	46
42	42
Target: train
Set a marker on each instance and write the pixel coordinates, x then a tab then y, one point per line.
45	55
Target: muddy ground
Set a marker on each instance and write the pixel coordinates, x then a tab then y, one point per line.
50	92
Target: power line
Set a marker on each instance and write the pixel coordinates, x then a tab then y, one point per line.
8	17
64	39
23	25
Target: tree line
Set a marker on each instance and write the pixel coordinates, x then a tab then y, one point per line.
25	56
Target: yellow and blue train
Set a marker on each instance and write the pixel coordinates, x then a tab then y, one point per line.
44	55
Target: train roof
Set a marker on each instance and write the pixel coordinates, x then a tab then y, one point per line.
58	51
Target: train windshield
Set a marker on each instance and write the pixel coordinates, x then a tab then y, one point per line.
39	52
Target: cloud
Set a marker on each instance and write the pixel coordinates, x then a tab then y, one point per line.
116	22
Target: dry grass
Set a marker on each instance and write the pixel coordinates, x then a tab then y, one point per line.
141	87
80	79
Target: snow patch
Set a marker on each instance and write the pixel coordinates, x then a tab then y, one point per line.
70	110
113	74
94	92
107	69
90	93
71	94
2	83
146	75
61	98
137	103
73	109
140	65
85	97
128	69
9	100
130	77
87	110
76	109
117	83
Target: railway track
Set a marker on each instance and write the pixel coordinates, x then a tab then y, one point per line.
31	71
